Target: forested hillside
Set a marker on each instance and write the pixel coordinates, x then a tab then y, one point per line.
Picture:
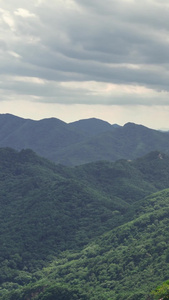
82	141
125	263
96	231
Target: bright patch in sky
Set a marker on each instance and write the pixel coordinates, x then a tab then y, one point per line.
23	13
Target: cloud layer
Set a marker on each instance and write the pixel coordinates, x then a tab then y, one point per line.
113	52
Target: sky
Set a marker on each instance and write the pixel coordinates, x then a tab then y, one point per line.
77	59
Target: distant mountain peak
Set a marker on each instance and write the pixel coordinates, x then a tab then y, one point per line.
82	141
91	126
116	125
131	124
91	120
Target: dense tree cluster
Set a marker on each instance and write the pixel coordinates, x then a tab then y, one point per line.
96	231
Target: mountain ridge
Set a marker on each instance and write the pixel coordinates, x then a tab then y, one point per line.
82	141
101	228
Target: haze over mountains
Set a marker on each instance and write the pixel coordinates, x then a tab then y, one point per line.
82	141
92	227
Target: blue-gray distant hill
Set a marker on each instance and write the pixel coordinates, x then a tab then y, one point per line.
93	126
82	141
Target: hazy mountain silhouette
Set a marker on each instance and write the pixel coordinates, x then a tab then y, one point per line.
82	141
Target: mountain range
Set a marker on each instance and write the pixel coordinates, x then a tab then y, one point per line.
82	141
93	231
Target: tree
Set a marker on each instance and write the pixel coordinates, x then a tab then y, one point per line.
161	292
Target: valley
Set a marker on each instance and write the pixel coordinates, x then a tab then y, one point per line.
93	231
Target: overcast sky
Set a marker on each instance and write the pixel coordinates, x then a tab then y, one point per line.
75	59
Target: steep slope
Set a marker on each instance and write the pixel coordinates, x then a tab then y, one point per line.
125	178
46	209
125	263
121	178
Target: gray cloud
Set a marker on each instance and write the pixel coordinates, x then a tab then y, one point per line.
119	43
